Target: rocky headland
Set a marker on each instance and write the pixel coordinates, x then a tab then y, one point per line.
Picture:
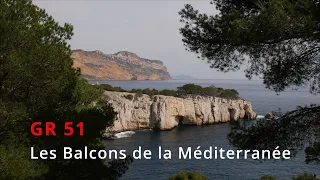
141	111
123	65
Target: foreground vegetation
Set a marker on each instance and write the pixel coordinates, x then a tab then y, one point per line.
182	91
38	84
277	41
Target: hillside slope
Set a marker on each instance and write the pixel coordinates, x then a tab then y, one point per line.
123	65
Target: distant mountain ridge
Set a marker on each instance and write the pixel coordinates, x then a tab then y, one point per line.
123	65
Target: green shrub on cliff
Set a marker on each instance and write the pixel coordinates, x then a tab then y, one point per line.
108	87
268	177
187	89
190	89
305	176
168	92
186	175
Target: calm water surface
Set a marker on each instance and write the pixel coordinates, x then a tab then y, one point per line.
263	101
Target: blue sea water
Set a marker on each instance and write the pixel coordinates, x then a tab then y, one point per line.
263	101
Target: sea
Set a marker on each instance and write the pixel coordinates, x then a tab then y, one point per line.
263	102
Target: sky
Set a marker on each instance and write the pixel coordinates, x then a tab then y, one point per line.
149	29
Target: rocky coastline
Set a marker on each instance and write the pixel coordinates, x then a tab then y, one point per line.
141	111
124	65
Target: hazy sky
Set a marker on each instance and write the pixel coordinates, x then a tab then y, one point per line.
148	28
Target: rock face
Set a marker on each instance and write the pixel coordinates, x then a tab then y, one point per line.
123	65
270	116
166	112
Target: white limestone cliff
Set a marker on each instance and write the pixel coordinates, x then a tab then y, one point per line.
166	112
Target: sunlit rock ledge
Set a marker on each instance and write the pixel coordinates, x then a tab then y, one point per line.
141	111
